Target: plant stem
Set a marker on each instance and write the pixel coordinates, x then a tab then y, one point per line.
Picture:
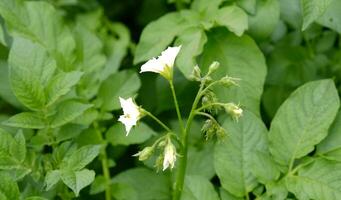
105	165
177	108
180	177
208	116
157	120
209	105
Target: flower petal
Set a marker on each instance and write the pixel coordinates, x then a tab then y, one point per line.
168	56
153	65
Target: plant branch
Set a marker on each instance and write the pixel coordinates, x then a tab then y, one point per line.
180	176
105	165
157	120
177	108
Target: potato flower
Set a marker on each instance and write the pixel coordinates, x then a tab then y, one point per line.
131	113
169	156
163	64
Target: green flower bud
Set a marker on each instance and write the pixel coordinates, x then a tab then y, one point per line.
210	98
209	129
196	74
213	67
227	81
145	153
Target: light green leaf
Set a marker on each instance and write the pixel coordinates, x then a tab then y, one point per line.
18	148
303	121
77	180
6	92
332	16
82	157
61	84
8	188
68	111
225	195
26	120
192	42
248	5
121	191
39	22
333	141
116	135
158	186
233	158
249	66
312	10
234	18
160	33
264	168
122	84
320	180
200	161
7	161
98	185
35	198
198	188
264	22
52	178
30	69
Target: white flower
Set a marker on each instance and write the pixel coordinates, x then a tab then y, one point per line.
169	156
131	113
163	64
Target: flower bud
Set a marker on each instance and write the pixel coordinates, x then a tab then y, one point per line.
227	81
234	110
209	129
145	153
210	98
221	133
169	156
196	74
213	67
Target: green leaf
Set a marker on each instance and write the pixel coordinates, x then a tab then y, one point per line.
160	33
6	92
30	69
192	42
320	180
116	135
121	191
35	198
333	141
225	195
41	23
264	22
68	111
249	66
264	168
77	180
233	158
234	18
198	188
52	178
303	121
98	186
200	161
147	184
26	120
312	10
248	5
8	188
82	157
18	148
332	16
7	162
121	84
61	84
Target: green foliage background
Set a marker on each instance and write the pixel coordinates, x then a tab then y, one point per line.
64	63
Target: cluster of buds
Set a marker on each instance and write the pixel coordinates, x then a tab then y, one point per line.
234	110
166	159
212	128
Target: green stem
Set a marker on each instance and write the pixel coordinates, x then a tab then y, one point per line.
209	105
180	177
105	165
179	4
207	115
177	108
157	120
247	196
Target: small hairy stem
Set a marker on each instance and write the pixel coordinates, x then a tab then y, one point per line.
209	105
180	176
208	87
177	108
157	120
207	115
105	165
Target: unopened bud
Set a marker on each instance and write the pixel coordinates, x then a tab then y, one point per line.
234	110
213	67
209	129
196	73
208	100
227	81
145	153
221	133
169	156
